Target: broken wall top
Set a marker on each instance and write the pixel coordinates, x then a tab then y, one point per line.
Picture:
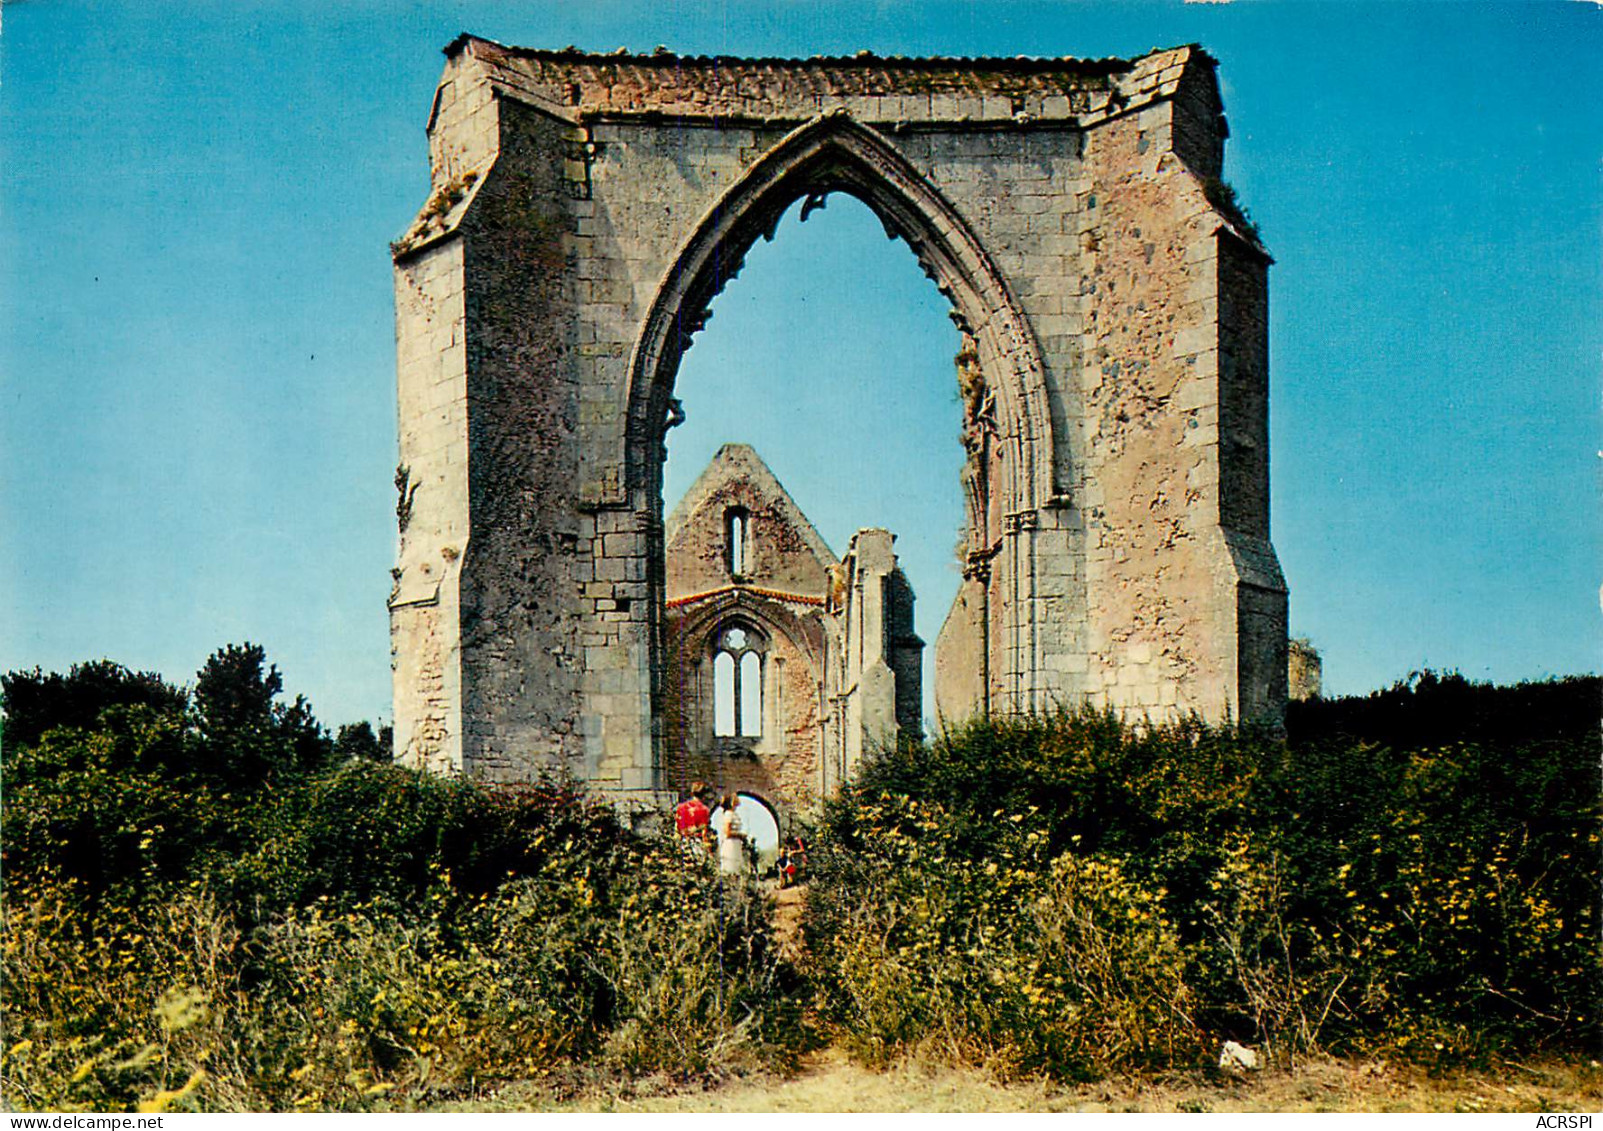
580	85
583	90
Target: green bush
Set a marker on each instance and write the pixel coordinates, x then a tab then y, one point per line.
111	1007
344	937
1014	956
205	910
99	809
36	702
1447	835
367	832
1414	872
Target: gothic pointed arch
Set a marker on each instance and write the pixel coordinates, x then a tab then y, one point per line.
586	209
836	153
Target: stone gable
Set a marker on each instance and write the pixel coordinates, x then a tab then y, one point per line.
783	552
818	657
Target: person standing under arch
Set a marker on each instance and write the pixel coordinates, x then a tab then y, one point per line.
731	837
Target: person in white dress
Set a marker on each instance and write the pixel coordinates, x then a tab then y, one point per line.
731	838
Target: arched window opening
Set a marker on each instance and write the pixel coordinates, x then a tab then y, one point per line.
723	695
737	684
751	695
736	533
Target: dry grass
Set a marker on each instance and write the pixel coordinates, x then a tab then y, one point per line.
828	1082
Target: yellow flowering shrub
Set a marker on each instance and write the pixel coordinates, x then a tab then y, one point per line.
1022	959
1414	873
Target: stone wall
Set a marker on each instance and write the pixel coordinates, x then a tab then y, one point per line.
431	508
1304	671
803	613
874	680
904	653
586	209
782	549
1176	428
785	765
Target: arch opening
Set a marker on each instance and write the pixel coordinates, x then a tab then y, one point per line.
832	356
834	155
760	822
999	461
736	534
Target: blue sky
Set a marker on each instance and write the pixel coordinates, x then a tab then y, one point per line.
197	407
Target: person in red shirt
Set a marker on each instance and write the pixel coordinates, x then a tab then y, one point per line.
692	814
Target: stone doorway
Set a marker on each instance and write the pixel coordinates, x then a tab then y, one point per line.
761	823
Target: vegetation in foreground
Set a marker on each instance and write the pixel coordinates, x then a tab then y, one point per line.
1414	874
210	904
207	906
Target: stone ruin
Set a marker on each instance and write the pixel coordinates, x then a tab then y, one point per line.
783	665
585	211
1304	670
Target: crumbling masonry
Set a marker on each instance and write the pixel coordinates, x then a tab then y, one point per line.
783	665
585	211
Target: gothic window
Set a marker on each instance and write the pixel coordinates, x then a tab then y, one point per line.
723	694
737	685
751	694
737	535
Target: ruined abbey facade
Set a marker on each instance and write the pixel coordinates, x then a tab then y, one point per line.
585	211
782	665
